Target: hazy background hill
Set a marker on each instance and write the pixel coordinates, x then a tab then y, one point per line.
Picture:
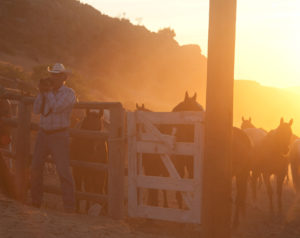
114	60
118	60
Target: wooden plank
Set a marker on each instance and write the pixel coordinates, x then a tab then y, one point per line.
73	163
140	171
180	148
89	165
88	134
151	138
98	105
166	183
167	214
116	163
173	173
79	133
172	117
132	164
23	150
150	128
80	195
199	141
80	105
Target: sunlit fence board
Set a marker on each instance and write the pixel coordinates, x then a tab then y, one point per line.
154	140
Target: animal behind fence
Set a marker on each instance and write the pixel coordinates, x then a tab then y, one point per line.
270	157
90	150
241	160
152	166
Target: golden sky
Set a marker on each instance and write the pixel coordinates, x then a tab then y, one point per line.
267	36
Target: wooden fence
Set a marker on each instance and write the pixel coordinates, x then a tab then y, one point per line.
151	140
116	150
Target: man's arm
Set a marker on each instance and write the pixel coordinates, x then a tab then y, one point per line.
38	104
67	99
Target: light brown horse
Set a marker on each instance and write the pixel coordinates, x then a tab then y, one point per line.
270	158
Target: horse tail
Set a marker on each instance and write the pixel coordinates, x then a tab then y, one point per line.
294	158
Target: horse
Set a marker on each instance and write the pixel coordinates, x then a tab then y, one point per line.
185	133
241	165
294	159
256	136
153	166
241	151
90	150
270	158
247	123
7	178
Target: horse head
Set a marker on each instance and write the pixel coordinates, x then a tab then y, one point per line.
92	120
188	104
246	123
282	136
142	108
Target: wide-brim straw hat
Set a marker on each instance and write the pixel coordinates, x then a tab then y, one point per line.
58	68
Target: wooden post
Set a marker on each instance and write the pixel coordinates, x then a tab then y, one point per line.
23	150
116	161
218	124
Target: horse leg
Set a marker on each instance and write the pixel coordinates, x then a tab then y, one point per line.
240	199
88	185
165	198
269	190
254	178
78	179
152	197
280	180
178	194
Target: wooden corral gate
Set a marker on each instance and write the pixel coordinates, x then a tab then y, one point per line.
116	150
151	141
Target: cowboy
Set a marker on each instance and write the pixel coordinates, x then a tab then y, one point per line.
54	104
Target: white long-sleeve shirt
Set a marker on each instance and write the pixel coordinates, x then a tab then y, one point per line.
57	110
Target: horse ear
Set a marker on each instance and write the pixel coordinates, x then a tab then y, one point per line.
291	122
186	96
137	106
243	119
195	96
281	121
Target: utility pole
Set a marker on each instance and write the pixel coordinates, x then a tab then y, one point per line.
216	207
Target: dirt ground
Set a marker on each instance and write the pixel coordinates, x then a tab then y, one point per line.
18	220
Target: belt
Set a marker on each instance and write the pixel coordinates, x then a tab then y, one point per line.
49	132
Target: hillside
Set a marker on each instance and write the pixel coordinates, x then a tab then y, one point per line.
114	60
118	60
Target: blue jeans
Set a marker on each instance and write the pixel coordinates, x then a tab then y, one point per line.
57	145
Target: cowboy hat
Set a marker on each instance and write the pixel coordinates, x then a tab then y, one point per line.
58	68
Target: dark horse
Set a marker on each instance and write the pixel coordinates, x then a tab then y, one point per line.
241	150
7	178
270	158
185	133
247	123
153	166
90	150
